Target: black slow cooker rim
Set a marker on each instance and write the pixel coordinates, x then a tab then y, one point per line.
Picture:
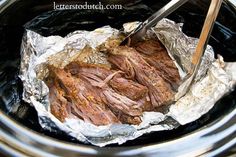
37	144
33	143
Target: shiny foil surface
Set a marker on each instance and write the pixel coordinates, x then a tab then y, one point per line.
214	79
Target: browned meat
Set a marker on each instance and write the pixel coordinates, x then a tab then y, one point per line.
123	86
132	63
99	70
122	103
150	47
59	105
99	95
156	55
122	107
132	90
129	88
84	99
114	79
87	93
127	119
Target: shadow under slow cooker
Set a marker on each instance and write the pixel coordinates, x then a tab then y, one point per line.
39	17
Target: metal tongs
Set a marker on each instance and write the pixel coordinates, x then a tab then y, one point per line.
200	49
139	33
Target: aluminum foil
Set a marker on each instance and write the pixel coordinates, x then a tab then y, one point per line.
214	79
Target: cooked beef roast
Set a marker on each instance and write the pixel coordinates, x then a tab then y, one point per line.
82	98
121	102
133	64
155	54
90	93
59	105
139	81
114	78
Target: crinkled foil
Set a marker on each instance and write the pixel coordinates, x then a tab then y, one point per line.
214	79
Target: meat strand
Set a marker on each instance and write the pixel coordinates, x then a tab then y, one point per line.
155	54
84	98
132	63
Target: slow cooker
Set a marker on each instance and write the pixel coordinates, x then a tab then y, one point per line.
214	134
